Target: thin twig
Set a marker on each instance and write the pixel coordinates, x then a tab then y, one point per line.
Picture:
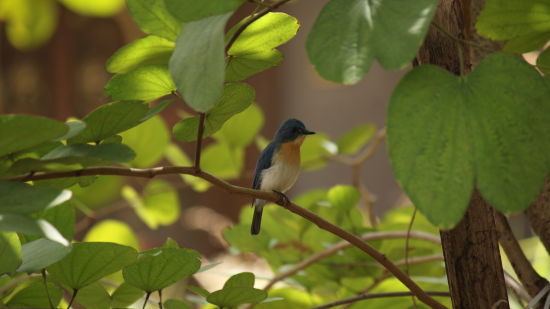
160	298
198	149
251	20
377	295
46	288
457	39
146	299
409	228
344	244
264	195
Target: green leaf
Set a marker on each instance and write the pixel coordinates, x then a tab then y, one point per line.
20	132
91	261
241	129
110	119
109	152
231	297
197	64
149	50
191	10
125	295
354	139
113	231
466	132
149	140
349	34
175	304
241	67
222	161
198	290
155	110
30	23
146	83
266	33
10	252
41	253
159	206
178	157
26	225
20	198
235	99
543	61
503	19
96	8
245	279
94	296
75	127
34	295
315	149
62	218
153	18
343	197
105	190
526	43
159	268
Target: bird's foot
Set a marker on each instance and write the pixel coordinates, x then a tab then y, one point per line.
283	199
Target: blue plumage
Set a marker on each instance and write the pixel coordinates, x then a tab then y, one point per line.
278	165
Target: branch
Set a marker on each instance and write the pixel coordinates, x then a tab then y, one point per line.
199	142
264	195
344	244
252	19
527	275
376	295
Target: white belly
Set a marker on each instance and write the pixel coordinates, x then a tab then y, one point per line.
279	177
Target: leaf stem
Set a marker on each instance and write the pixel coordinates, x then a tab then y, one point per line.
46	287
160	298
199	142
146	299
75	291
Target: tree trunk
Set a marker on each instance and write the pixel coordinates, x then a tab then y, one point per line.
538	215
472	257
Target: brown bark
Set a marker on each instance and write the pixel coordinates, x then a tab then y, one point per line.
527	275
472	257
538	215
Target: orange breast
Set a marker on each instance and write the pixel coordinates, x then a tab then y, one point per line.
290	152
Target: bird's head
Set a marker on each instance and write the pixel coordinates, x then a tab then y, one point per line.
291	130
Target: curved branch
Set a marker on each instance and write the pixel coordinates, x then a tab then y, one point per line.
268	196
376	295
344	244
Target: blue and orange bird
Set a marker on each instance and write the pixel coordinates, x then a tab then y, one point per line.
278	166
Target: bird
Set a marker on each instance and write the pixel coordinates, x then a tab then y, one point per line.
278	166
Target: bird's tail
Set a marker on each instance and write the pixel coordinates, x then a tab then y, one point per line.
256	219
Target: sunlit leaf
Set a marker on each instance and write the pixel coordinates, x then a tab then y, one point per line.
110	119
354	139
481	136
146	83
30	226
349	34
222	161
20	132
315	150
149	140
125	295
190	10
235	99
113	231
241	67
197	64
149	50
241	129
91	261
30	23
232	297
10	252
153	18
96	8
159	268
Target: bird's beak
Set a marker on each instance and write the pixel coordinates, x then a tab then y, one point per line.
306	132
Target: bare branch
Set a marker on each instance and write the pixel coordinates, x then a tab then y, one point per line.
268	196
377	295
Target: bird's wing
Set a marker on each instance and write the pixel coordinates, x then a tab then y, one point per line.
264	162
